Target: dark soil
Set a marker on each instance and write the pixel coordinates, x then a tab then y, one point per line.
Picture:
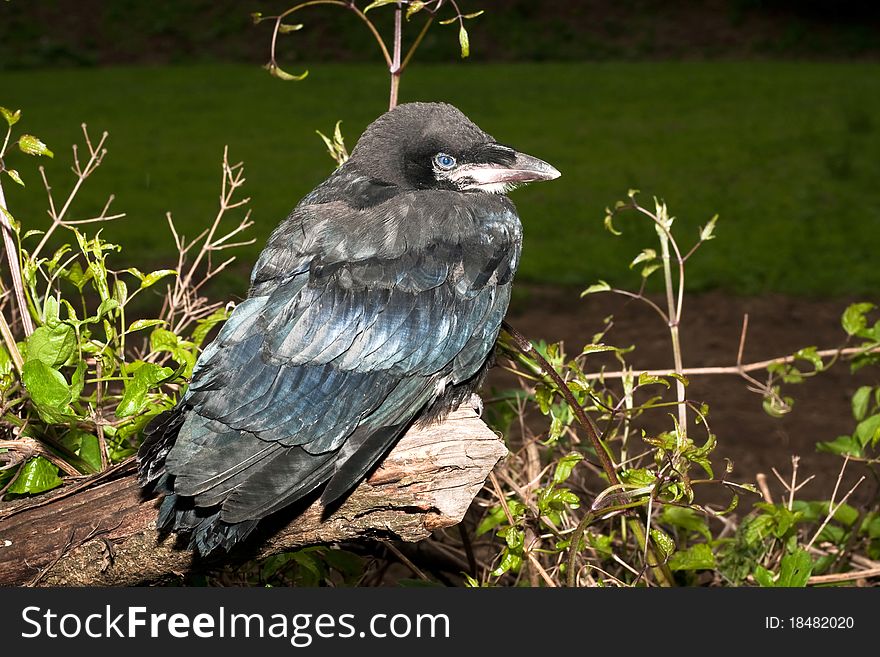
711	327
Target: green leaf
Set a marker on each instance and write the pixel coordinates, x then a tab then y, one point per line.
707	231
639	477
10	116
860	402
37	476
378	3
77	380
33	146
286	28
414	7
596	348
645	256
474	14
204	326
841	445
764	577
464	42
696	557
12	173
78	277
868	431
686	519
48	390
163	340
509	561
565	466
86	446
609	225
120	292
51	312
145	378
157	275
53	346
494	518
795	569
514	538
107	305
811	355
281	74
854	320
665	545
601	286
140	324
646	379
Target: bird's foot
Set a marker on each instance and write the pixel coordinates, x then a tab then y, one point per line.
476	403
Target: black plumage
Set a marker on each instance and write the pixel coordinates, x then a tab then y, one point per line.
375	305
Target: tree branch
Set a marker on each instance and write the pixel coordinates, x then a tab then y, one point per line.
102	532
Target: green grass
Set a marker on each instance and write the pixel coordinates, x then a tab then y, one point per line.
788	154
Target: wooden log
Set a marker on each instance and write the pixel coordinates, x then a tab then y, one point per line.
102	532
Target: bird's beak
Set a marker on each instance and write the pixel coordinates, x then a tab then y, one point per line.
524	169
497	177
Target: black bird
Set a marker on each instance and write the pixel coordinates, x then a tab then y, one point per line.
375	305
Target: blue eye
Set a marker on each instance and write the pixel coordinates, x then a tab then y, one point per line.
444	161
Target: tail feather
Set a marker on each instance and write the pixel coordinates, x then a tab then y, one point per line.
206	531
159	437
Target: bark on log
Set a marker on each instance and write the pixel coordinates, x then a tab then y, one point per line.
102	532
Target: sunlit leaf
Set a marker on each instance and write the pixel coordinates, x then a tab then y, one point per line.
145	378
10	116
601	286
287	28
281	74
37	476
378	3
860	401
12	173
707	232
564	467
795	569
204	326
854	320
53	346
33	146
140	324
664	543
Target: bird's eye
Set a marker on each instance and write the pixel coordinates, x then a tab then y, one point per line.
444	161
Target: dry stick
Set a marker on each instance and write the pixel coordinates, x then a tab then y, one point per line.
732	369
404	560
832	507
844	577
661	571
11	346
395	69
99	416
765	489
96	156
14	267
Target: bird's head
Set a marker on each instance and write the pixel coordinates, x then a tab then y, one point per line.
435	146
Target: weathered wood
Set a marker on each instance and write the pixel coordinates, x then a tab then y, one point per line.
104	533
